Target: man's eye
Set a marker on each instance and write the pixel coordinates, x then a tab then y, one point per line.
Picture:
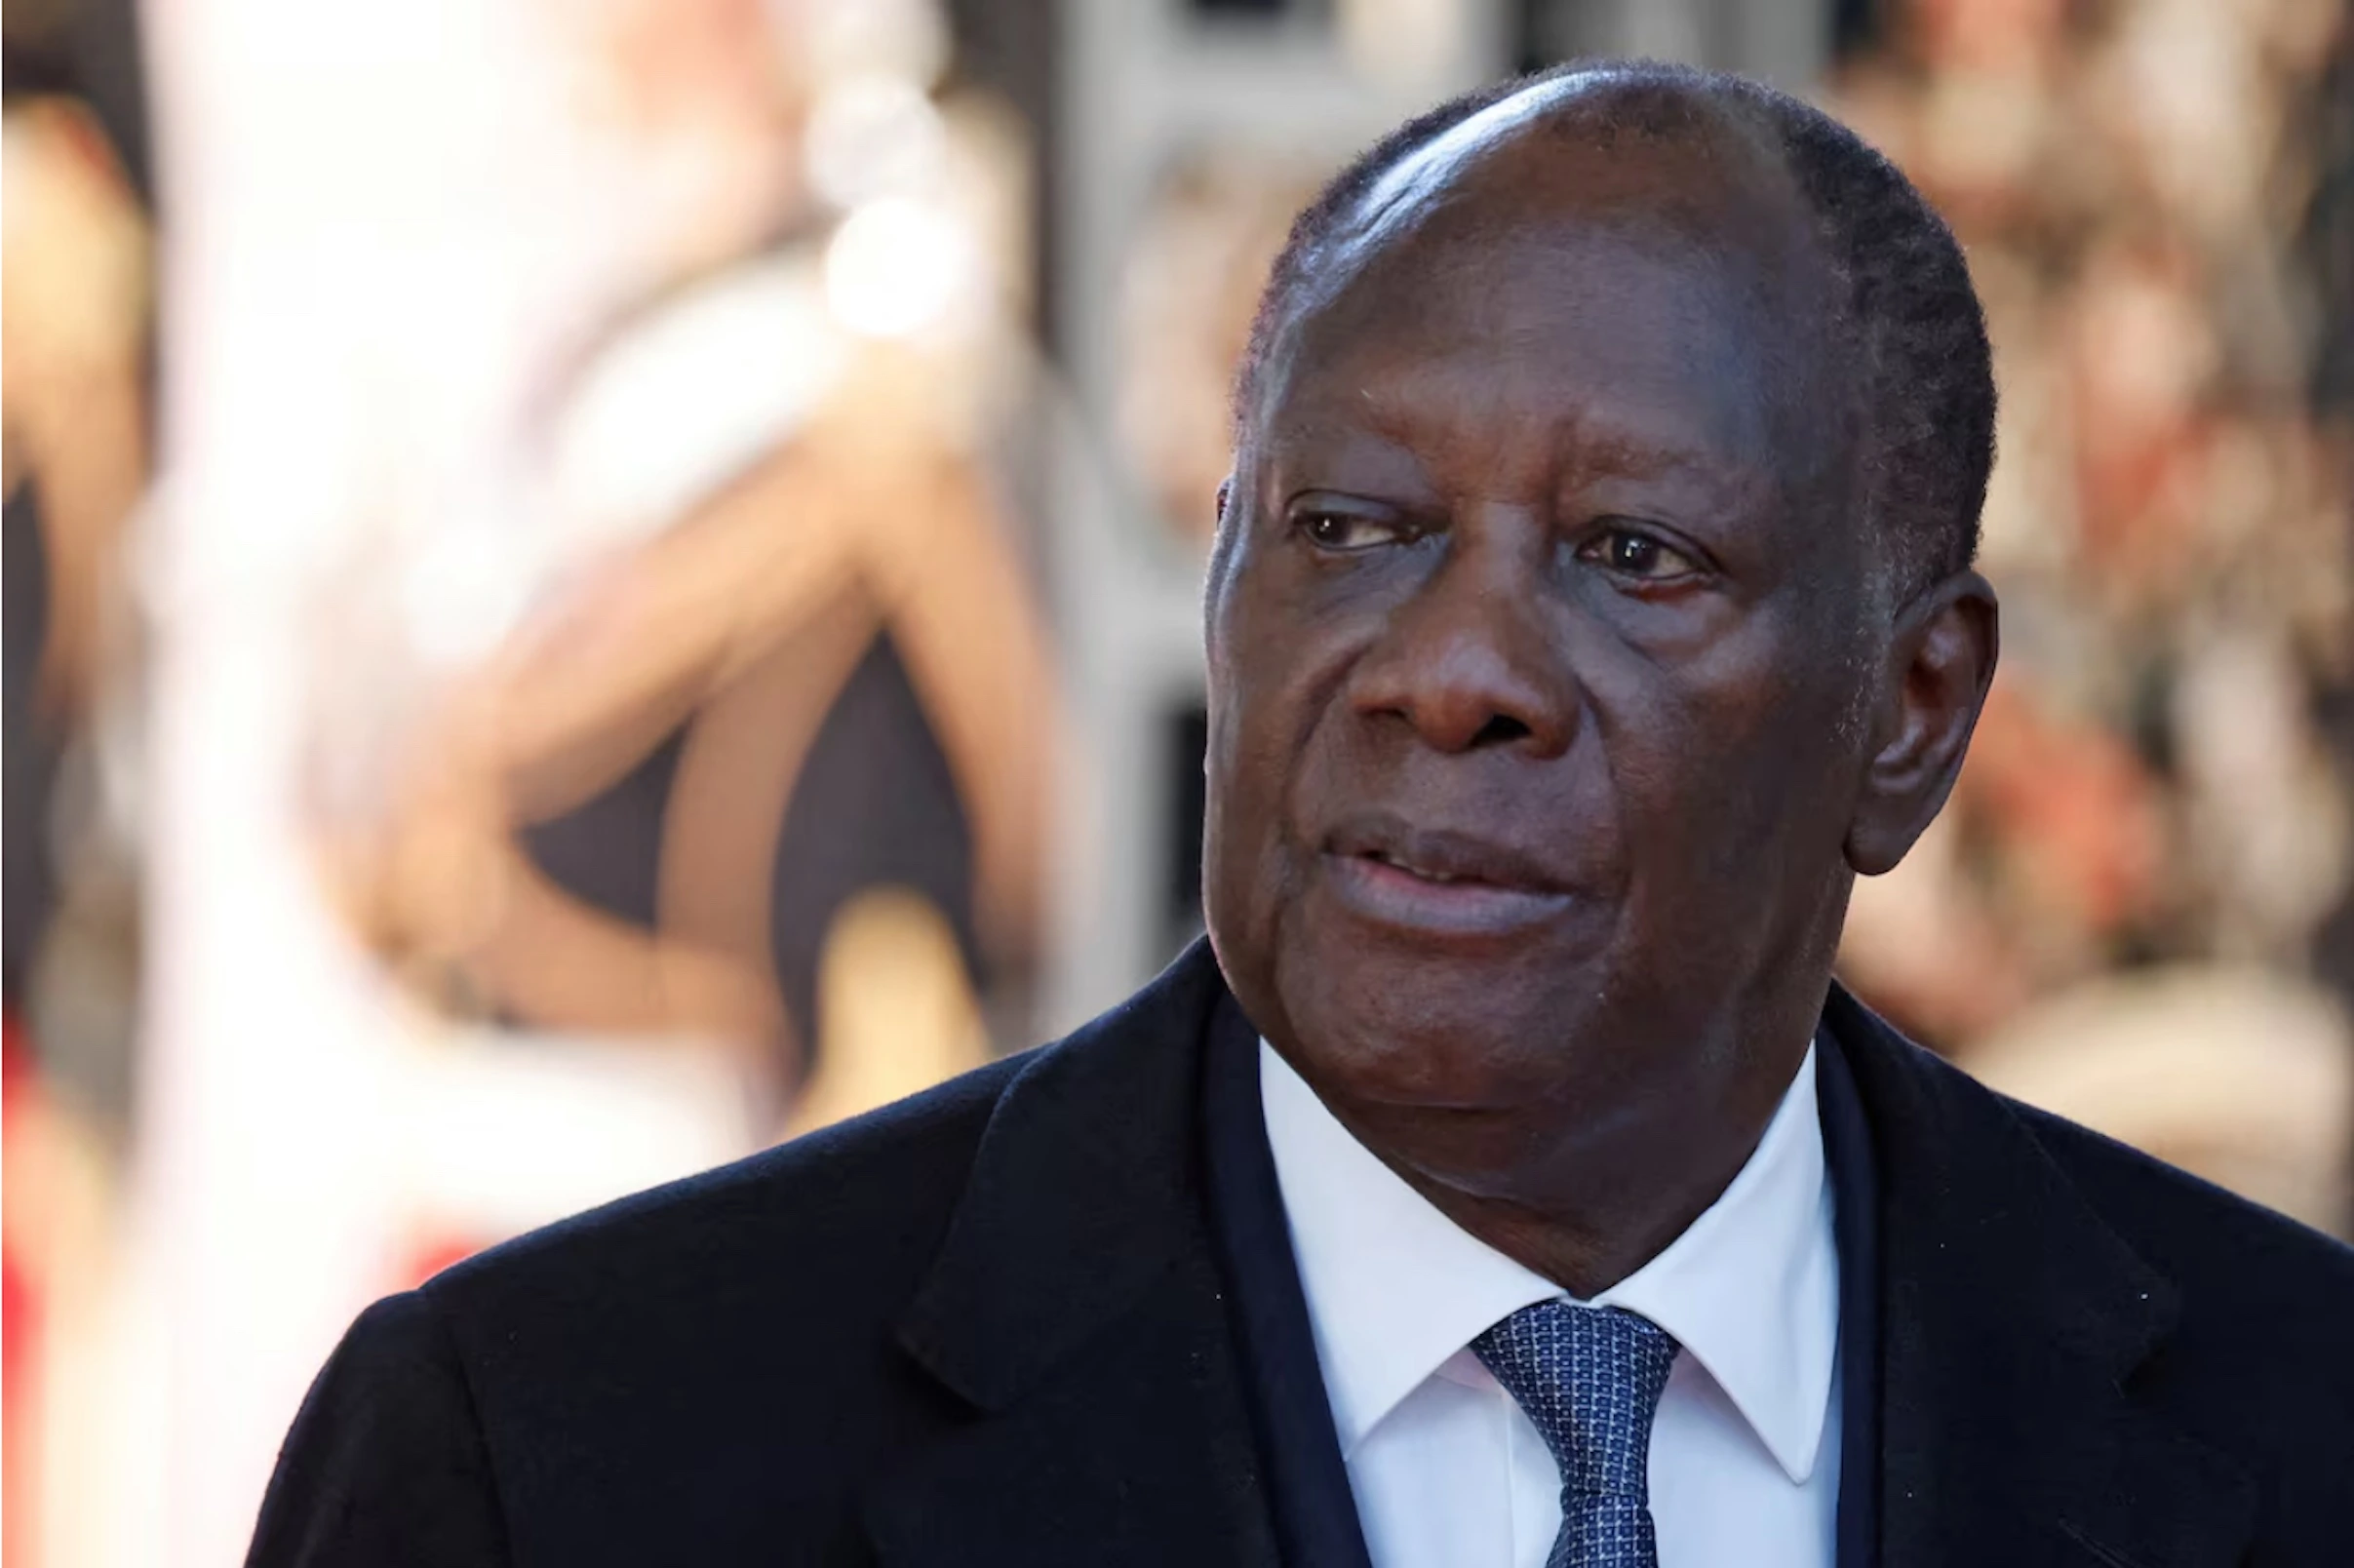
1344	531
1640	555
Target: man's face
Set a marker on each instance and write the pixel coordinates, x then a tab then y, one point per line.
1538	649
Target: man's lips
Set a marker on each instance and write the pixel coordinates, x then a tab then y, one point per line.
1438	882
1441	856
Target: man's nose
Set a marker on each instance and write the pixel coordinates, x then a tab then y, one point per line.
1470	660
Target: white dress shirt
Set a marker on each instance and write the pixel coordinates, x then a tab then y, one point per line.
1449	1474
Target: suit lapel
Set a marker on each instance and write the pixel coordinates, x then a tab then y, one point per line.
1076	1309
2013	1321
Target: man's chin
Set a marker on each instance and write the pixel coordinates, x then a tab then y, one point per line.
1442	1033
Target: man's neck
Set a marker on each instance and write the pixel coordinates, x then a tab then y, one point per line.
1584	1212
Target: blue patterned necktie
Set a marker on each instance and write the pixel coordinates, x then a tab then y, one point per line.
1590	1380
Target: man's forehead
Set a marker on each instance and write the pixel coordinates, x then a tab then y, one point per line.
1600	353
1543	297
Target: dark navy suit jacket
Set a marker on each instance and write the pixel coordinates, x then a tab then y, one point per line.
1047	1313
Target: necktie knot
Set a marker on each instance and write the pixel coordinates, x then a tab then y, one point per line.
1588	1380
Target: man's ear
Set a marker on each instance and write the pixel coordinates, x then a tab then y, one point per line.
1940	661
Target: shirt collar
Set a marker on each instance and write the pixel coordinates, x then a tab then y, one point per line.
1394	1288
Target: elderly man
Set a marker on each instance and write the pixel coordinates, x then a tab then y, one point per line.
1505	1182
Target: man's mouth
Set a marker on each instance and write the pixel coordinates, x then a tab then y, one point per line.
1441	856
1437	884
1426	872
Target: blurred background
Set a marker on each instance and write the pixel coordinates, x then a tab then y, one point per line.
591	584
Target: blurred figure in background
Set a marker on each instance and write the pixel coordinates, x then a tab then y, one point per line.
586	530
789	756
